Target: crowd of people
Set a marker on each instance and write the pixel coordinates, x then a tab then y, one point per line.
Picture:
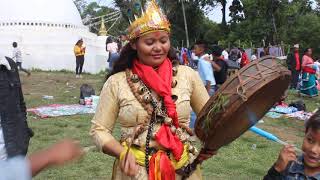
305	70
150	95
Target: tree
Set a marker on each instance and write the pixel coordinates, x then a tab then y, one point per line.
275	21
91	12
223	4
81	5
214	3
172	8
236	11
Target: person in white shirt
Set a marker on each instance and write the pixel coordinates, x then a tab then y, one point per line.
254	55
225	54
113	50
112	47
17	57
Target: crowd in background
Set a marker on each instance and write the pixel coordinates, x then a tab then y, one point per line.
304	71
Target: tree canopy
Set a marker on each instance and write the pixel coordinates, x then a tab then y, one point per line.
252	21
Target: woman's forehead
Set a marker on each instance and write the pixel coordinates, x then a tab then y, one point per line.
155	35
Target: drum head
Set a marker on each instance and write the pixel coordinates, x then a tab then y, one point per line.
241	101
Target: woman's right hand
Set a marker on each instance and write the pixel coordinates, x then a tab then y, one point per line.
129	166
286	155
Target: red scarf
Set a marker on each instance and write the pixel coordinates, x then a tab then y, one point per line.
296	55
160	81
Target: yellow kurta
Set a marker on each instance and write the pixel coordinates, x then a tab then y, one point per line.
118	104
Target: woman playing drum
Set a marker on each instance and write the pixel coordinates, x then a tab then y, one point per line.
150	97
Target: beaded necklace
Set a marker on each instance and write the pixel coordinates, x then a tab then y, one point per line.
155	110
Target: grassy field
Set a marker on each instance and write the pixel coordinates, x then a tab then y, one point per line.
249	157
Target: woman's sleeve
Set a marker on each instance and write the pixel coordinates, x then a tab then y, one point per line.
199	95
106	114
304	61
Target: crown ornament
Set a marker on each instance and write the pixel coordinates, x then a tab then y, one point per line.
151	19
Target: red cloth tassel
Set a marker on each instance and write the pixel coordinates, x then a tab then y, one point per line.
164	167
169	141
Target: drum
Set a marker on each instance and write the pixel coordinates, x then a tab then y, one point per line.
241	101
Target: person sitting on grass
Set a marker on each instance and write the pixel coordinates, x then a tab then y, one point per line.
306	166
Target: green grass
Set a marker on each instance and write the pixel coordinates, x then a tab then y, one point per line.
238	160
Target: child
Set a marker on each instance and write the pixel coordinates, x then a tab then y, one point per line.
306	166
205	69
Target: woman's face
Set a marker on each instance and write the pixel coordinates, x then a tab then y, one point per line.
152	48
309	52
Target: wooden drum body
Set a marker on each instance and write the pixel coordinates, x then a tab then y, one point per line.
241	101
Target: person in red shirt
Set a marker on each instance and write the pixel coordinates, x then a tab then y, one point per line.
185	57
294	65
244	58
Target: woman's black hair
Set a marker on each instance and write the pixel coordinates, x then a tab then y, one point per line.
80	40
127	55
109	40
306	50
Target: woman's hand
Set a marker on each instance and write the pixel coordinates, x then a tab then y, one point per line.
286	155
128	165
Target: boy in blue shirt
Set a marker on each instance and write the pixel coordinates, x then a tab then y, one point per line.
304	167
204	67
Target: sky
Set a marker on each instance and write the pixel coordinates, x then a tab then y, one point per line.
215	14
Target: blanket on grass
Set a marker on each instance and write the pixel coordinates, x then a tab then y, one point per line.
55	110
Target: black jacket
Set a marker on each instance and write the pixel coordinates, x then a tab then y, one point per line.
14	124
221	76
291	61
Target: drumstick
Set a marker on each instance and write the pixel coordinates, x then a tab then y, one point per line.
130	143
253	119
271	137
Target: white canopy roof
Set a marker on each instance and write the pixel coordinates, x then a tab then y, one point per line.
48	11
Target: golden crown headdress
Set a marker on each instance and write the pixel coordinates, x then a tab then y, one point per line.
152	19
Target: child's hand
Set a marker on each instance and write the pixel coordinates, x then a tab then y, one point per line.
64	151
286	155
